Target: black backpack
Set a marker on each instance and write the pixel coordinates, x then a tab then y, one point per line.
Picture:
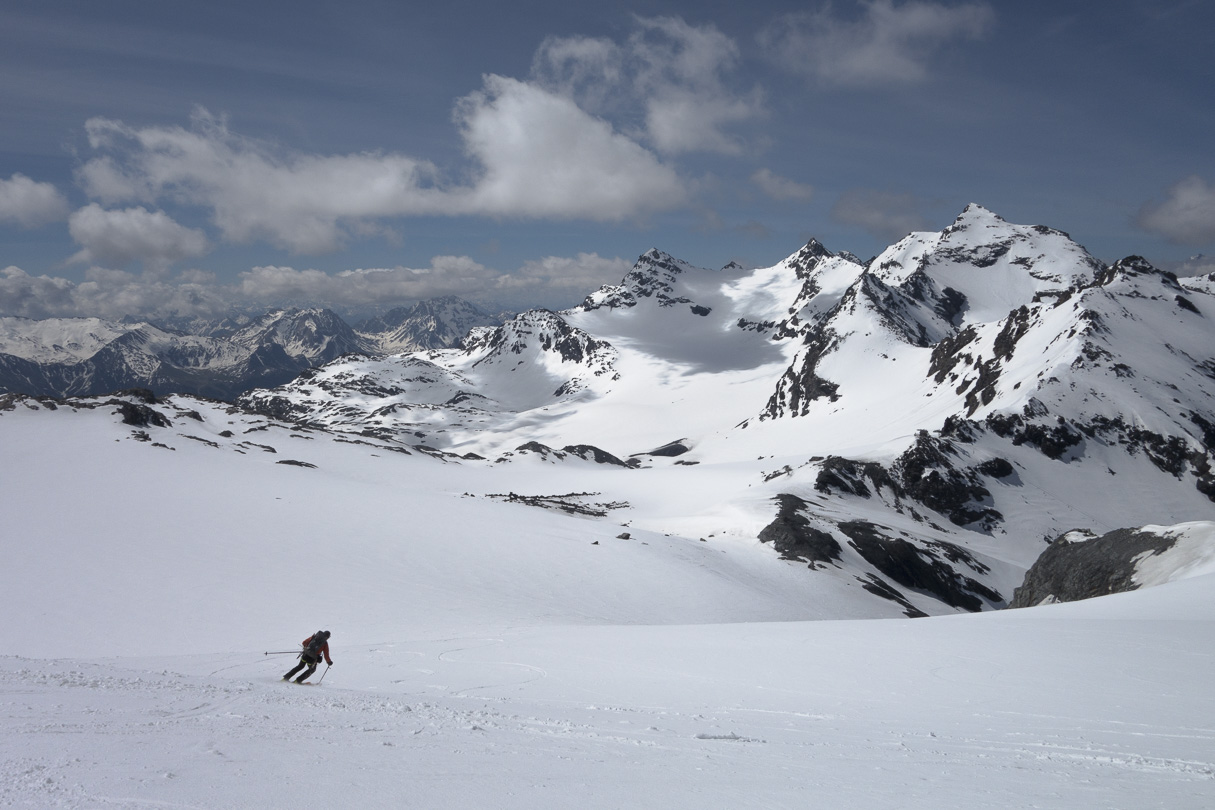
313	650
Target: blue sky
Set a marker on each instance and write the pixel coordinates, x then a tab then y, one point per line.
160	158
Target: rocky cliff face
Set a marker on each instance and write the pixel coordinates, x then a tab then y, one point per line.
1080	565
916	426
86	356
435	324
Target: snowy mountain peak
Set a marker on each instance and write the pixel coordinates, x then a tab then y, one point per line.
918	424
538	330
434	324
992	266
808	258
1133	267
317	335
653	276
59	340
976	215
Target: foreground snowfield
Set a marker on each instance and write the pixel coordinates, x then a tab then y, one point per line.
492	654
1105	704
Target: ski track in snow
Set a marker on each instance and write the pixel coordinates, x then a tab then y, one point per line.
748	715
490	653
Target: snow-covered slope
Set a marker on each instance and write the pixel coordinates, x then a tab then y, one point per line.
58	340
497	648
316	335
573	560
172	484
917	427
434	324
85	356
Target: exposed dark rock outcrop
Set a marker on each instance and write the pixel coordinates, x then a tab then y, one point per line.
542	450
671	449
574	503
654	275
929	476
913	567
925	473
591	453
880	587
996	468
801	384
839	474
1051	440
139	415
1069	570
795	539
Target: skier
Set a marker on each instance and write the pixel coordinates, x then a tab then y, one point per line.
315	646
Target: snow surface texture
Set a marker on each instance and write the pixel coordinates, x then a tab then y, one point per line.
489	653
540	554
939	414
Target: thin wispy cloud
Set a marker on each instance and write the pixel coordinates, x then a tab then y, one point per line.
1185	216
675	79
555	281
781	189
885	215
552	277
887	44
446	275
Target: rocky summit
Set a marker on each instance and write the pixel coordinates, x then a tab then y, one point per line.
937	414
221	359
910	432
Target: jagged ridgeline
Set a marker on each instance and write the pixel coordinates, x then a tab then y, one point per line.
939	412
915	428
62	357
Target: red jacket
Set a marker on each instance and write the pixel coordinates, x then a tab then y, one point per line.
324	650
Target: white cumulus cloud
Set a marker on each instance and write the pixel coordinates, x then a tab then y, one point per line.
672	74
1186	216
689	106
119	237
543	156
888	43
30	204
534	154
107	294
553	281
253	189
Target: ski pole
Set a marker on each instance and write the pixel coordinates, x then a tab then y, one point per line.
323	674
282	652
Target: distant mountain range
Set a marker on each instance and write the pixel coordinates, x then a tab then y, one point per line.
913	429
964	388
62	357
